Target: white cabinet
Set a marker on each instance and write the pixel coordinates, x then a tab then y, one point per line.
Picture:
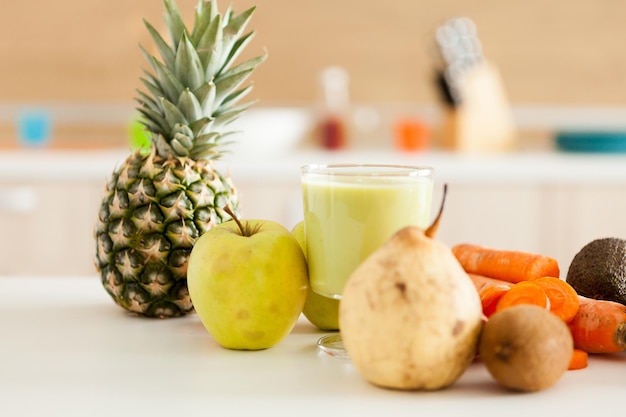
555	220
280	202
47	227
582	214
499	216
49	202
546	219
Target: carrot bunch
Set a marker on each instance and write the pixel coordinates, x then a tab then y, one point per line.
551	293
504	278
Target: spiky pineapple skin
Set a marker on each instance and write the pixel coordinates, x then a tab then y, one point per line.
160	201
153	211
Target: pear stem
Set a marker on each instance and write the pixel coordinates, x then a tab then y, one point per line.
432	229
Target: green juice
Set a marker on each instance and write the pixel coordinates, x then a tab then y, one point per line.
346	219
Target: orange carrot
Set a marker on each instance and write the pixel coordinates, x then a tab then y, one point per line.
580	360
489	298
490	290
524	292
481	282
599	326
507	265
563	298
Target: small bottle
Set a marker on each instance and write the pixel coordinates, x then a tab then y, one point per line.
333	127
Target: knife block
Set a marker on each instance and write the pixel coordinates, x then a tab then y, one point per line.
482	120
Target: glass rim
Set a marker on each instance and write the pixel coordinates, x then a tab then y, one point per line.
368	170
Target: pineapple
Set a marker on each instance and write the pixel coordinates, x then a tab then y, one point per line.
161	199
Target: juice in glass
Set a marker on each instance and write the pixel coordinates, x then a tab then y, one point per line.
350	210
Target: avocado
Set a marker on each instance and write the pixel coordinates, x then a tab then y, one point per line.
599	270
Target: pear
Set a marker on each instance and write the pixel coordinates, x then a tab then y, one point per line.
410	316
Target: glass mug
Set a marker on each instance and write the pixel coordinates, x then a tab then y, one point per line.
349	211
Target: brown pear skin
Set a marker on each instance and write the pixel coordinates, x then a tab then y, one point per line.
410	316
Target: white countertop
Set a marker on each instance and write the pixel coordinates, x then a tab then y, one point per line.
283	166
67	350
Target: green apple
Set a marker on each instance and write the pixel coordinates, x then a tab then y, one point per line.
248	282
322	312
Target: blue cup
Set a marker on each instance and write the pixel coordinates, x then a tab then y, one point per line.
34	127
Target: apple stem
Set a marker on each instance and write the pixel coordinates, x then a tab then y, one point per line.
228	210
246	229
432	229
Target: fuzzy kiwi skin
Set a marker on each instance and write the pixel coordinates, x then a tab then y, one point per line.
526	348
598	270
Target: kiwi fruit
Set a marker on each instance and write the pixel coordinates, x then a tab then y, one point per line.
526	348
599	270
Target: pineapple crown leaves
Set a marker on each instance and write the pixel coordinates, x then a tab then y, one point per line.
194	89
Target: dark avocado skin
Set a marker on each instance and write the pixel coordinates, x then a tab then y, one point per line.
599	270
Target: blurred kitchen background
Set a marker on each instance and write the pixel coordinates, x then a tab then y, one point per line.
556	78
82	58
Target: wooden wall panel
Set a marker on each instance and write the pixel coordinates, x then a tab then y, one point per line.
556	52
